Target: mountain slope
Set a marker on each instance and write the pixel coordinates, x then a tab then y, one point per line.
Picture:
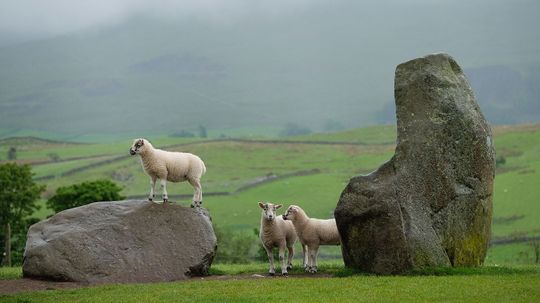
328	62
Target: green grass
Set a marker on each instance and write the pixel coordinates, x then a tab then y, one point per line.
10	273
332	266
480	285
232	165
380	134
36	150
511	254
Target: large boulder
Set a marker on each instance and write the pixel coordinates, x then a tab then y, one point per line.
128	241
431	204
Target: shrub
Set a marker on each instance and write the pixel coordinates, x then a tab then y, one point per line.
234	246
83	193
293	129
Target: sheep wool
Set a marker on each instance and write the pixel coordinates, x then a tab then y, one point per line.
312	234
169	166
276	232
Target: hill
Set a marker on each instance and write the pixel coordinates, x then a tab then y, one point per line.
309	170
324	67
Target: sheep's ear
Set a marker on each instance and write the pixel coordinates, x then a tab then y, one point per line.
141	142
279	206
261	205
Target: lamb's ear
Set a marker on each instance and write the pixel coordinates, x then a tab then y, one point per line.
261	205
279	206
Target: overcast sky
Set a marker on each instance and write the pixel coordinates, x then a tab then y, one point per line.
61	16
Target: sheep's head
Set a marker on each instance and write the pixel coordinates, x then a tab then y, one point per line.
138	146
269	210
291	212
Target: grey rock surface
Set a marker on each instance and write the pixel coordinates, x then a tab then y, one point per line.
126	241
431	204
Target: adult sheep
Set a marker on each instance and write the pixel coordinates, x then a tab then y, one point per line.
275	232
312	234
169	166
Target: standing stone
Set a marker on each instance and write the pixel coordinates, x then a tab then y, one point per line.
130	241
431	204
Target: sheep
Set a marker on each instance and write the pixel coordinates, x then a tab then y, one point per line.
169	166
275	232
312	233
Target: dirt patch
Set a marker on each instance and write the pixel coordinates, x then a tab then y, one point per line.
31	285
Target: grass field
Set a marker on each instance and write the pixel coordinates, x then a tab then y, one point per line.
331	158
484	284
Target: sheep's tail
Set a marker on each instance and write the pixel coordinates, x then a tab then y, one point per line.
203	167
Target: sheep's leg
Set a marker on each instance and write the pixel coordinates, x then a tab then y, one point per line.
152	189
282	259
197	192
305	257
272	270
163	183
313	252
291	255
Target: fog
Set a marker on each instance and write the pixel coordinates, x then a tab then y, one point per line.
89	66
54	17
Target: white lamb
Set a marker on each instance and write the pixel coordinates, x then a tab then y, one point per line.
312	233
169	166
275	232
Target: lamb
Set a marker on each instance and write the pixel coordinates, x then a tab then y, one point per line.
275	232
312	233
169	166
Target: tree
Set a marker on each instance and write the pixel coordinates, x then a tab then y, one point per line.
202	132
293	129
18	195
83	193
12	153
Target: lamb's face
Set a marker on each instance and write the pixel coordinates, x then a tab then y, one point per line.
269	210
290	214
137	147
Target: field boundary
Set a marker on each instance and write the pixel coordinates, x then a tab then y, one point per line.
254	183
247	141
513	240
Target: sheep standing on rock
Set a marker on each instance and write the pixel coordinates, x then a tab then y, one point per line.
275	232
169	166
312	233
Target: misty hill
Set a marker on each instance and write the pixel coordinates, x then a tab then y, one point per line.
327	64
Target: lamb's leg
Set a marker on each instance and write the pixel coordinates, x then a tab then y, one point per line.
313	252
197	192
163	183
272	270
152	189
291	255
305	257
282	259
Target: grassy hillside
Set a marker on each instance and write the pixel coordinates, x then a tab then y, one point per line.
310	171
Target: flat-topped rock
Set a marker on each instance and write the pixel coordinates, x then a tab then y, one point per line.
124	241
431	204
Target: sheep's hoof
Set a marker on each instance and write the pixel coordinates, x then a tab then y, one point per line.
150	199
271	273
165	201
192	206
284	273
289	267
